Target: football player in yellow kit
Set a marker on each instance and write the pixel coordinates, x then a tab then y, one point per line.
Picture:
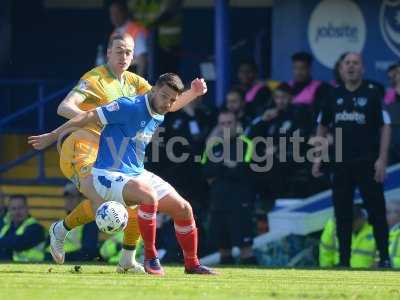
97	87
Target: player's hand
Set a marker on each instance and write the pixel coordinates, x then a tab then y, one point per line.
39	142
198	87
316	169
380	170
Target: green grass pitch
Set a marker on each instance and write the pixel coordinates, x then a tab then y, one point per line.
41	281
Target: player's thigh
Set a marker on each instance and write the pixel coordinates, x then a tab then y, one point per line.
88	190
169	200
78	154
137	192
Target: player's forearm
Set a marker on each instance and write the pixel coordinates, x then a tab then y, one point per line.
184	99
384	142
76	122
69	111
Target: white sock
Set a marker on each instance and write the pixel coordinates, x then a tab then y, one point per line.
60	230
127	257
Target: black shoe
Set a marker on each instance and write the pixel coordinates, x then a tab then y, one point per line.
385	264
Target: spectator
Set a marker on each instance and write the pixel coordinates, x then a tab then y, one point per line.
4	216
123	25
235	103
355	110
338	77
256	93
23	238
282	120
229	173
166	18
392	106
393	219
81	243
363	248
306	91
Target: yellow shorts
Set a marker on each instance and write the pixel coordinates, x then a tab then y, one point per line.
78	154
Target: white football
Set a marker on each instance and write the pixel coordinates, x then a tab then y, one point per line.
111	217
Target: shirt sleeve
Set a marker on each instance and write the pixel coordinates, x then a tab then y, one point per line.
143	86
116	112
380	116
88	86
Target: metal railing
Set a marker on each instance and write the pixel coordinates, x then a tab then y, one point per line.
39	107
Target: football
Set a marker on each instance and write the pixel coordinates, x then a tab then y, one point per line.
111	217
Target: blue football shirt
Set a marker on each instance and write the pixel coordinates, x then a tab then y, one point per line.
129	126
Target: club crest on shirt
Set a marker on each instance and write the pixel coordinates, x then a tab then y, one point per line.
361	101
142	123
83	85
339	101
113	106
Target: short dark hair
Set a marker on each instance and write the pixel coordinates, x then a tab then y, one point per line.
115	37
18	196
392	67
171	80
303	57
284	87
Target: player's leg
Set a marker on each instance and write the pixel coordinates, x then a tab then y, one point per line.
78	153
373	196
342	193
180	210
138	192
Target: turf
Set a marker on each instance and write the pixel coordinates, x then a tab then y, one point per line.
19	281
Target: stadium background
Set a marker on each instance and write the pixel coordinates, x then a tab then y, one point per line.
48	45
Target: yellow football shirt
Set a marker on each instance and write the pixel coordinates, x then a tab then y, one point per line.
99	86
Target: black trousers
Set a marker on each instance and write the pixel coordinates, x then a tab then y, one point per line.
346	176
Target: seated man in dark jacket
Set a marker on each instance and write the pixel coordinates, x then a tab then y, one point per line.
226	165
22	239
280	125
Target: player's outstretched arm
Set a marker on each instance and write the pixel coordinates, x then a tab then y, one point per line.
198	88
42	141
69	107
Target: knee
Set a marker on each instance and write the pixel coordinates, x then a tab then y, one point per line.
185	210
139	193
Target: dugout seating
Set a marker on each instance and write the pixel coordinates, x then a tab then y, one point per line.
14	146
46	203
